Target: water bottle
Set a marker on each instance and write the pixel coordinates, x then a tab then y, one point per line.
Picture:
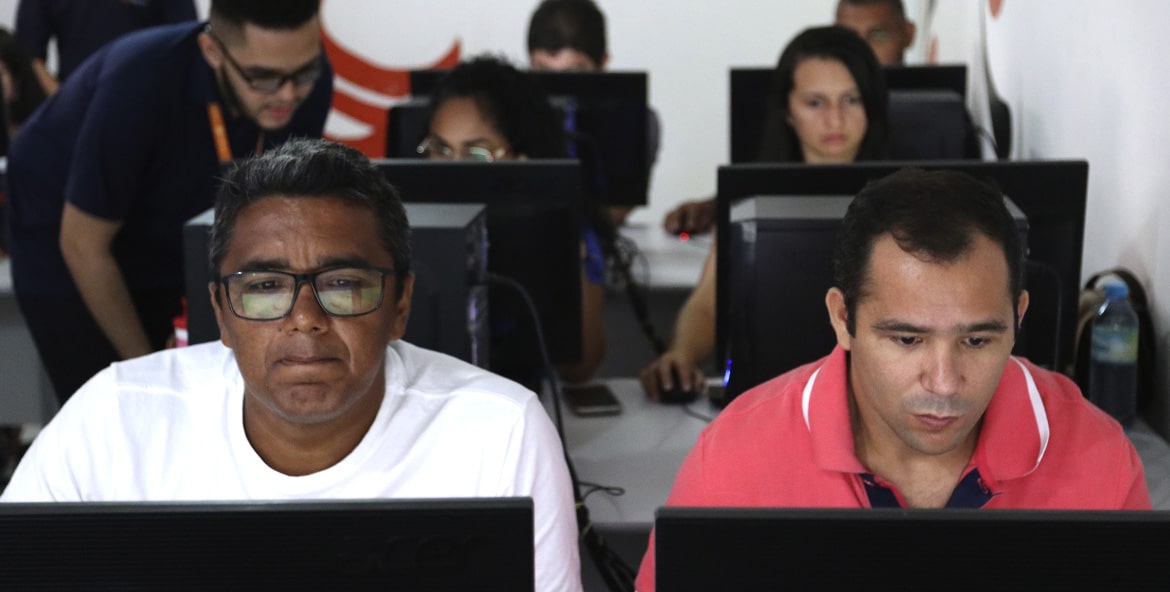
1113	364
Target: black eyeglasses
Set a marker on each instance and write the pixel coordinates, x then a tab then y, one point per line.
270	295
267	81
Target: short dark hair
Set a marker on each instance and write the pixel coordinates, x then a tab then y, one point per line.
228	17
305	168
936	214
511	100
896	6
568	24
780	143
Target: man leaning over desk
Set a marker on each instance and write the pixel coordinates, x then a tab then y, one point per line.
921	404
311	394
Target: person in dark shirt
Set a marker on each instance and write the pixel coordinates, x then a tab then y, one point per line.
81	27
104	175
569	36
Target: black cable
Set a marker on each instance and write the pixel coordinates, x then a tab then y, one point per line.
618	576
625	252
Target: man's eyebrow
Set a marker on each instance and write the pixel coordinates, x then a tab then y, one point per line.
264	265
896	326
354	261
265	70
285	265
989	326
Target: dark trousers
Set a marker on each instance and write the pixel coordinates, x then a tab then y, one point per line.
69	341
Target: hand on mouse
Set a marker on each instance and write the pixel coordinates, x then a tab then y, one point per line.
694	217
663	371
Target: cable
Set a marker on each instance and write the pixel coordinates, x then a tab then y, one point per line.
625	252
693	413
618	576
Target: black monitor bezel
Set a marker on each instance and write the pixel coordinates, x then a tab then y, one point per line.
587	88
802	548
292	544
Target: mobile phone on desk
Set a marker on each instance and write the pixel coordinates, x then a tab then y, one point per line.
590	400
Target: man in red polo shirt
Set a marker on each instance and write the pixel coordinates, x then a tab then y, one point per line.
921	404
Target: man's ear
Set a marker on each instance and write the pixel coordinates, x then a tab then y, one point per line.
1021	308
911	31
219	312
604	61
402	308
839	317
210	50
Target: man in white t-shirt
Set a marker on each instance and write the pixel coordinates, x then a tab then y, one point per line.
311	394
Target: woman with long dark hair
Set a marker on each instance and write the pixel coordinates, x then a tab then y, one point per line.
828	105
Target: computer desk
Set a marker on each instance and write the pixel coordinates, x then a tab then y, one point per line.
641	449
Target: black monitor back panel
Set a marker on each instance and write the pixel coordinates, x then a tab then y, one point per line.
605	115
928	117
450	544
781	266
534	226
889	549
1051	195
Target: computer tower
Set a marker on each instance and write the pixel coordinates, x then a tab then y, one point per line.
449	307
449	310
780	268
201	325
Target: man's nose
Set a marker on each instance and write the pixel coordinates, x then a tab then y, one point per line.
306	313
942	373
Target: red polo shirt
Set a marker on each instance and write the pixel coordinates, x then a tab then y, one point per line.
789	443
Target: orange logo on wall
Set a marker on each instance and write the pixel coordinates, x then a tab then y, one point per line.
390	82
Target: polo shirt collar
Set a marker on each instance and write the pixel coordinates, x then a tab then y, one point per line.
1012	440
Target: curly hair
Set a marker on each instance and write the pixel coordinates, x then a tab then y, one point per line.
512	102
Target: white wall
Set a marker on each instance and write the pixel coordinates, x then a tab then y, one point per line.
1086	80
687	47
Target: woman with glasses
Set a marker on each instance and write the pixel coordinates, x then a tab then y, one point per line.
828	105
487	110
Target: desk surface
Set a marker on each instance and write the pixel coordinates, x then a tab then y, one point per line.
669	261
642	449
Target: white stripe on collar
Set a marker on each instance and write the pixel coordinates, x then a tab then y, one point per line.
1037	411
1033	397
807	395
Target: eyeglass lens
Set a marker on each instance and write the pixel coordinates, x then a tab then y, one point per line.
267	295
270	83
438	149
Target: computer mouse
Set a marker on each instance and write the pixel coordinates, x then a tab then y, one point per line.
676	395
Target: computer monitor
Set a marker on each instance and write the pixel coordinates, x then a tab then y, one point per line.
439	544
928	117
781	266
534	224
1051	194
604	114
813	549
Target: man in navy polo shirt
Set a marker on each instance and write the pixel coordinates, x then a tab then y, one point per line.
104	175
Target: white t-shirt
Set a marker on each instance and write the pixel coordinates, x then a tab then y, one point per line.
169	427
